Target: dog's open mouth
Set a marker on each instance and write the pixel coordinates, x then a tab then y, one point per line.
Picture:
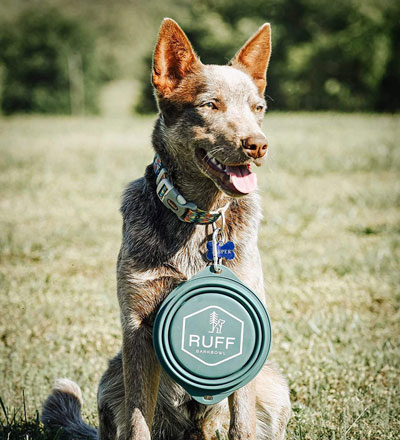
233	179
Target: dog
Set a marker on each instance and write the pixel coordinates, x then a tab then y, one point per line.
206	137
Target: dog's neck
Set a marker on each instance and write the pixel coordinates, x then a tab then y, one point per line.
201	191
194	186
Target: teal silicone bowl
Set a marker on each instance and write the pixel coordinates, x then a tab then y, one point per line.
212	335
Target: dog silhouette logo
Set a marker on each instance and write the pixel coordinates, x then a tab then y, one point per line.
216	323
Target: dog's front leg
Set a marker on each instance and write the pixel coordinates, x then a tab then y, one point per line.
139	299
242	406
141	378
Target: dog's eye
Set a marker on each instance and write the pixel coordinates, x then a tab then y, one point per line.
210	105
259	108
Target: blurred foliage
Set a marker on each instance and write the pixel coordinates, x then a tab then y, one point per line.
50	64
340	55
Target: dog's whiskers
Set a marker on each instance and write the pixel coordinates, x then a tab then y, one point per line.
214	151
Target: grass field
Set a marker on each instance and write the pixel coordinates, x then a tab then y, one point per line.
329	240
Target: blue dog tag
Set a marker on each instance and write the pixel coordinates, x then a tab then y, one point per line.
224	250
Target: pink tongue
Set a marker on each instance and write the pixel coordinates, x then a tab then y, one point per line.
242	179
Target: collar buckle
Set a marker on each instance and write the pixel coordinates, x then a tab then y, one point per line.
174	201
171	197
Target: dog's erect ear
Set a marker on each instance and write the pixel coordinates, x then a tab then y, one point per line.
253	57
173	59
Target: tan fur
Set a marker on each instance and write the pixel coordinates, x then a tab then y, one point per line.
254	56
167	73
67	386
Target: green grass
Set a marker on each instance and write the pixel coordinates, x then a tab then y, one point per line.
329	240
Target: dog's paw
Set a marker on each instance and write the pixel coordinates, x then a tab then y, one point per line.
240	434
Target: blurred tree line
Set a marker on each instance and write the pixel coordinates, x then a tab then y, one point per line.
327	55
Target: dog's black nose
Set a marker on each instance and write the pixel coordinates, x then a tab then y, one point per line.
255	146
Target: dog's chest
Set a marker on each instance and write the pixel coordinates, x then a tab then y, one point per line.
191	257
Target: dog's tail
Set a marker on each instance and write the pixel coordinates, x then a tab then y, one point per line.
62	412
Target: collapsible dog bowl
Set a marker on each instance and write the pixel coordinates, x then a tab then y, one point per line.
212	335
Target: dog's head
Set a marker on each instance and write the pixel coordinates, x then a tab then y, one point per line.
211	115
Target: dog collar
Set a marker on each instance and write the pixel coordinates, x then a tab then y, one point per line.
174	200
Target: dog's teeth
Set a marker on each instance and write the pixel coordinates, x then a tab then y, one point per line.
216	163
